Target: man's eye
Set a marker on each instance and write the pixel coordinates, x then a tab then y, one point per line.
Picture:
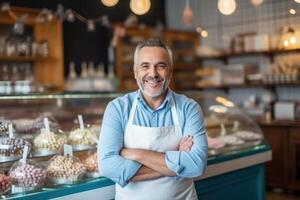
144	67
161	66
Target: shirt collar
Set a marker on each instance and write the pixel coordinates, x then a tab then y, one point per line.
166	103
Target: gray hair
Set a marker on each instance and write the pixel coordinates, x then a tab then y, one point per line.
153	42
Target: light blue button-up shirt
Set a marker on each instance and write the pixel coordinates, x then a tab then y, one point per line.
184	164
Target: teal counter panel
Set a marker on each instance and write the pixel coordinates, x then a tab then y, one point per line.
246	184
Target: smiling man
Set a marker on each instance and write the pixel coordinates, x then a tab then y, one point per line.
153	141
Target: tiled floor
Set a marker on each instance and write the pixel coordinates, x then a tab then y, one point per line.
281	196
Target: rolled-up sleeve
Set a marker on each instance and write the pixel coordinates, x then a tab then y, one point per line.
192	163
111	164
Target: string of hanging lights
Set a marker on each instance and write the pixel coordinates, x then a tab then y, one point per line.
138	7
68	15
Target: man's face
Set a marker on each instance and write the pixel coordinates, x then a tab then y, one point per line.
152	71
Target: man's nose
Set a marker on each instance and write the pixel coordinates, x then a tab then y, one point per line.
153	71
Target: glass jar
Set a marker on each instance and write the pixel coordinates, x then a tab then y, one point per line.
43	48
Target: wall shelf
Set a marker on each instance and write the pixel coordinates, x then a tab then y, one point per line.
248	85
22	58
48	70
269	53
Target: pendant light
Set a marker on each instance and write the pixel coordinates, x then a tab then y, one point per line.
292	11
187	14
140	7
226	7
257	2
109	3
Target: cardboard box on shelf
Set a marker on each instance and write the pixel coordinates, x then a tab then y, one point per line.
237	73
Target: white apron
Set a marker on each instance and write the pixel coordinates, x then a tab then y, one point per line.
160	139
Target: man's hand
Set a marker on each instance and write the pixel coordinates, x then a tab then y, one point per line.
128	153
186	143
145	173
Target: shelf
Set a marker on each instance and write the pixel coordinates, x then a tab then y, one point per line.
21	58
251	53
248	85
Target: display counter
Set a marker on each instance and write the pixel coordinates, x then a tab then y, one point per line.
236	175
235	170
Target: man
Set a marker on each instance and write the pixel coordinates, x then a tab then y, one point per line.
153	141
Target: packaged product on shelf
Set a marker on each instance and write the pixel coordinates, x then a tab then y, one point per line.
48	142
34	125
232	140
4	126
26	176
65	170
12	148
5	183
82	138
248	135
91	164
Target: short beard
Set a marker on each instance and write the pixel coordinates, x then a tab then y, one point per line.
162	89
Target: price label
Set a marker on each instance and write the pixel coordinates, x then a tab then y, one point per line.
24	156
68	150
4	146
10	131
15	189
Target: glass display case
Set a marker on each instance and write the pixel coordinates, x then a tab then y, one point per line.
45	139
228	129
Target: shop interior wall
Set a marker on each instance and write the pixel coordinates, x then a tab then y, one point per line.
83	46
268	18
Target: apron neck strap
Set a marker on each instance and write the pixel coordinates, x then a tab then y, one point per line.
134	106
132	111
174	112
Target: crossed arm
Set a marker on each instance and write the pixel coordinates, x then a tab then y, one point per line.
124	165
153	163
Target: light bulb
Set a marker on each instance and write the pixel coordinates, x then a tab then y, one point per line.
292	11
140	7
204	33
256	2
90	25
293	40
226	7
109	3
286	43
69	15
